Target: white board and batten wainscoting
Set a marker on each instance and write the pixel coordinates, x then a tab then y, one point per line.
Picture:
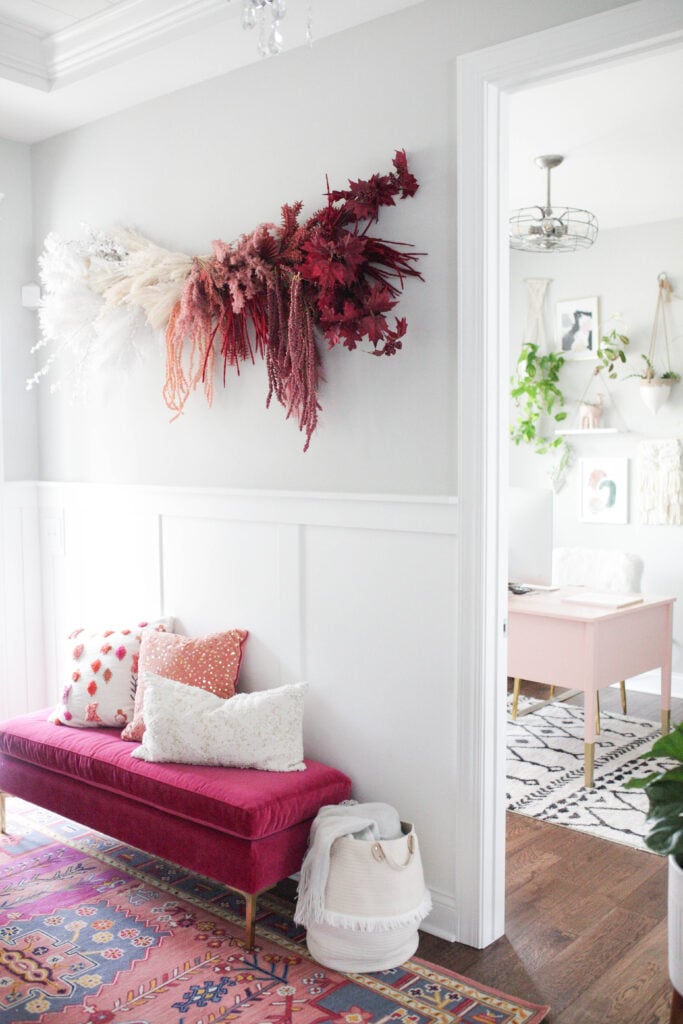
355	594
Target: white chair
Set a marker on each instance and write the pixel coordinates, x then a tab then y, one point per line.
597	569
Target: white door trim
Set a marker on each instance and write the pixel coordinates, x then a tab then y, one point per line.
484	79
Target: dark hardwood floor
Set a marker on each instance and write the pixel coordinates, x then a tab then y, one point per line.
585	919
585	929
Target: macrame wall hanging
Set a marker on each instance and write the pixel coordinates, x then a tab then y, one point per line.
268	295
660	482
534	327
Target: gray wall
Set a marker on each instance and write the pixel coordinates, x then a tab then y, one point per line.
621	269
17	325
215	160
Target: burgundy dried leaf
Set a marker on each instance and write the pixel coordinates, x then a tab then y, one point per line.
407	182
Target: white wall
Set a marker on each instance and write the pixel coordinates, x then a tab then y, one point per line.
18	419
621	269
355	594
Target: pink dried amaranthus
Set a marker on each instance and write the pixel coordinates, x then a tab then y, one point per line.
267	293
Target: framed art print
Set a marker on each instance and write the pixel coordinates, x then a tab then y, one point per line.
576	328
603	490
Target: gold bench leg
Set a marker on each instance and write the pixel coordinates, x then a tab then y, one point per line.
666	724
588	764
552	691
250	918
515	697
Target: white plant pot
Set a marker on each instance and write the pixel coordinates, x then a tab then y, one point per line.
655	393
675	923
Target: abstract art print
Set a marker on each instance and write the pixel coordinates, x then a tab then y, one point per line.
603	492
576	328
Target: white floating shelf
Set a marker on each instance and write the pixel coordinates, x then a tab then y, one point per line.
594	430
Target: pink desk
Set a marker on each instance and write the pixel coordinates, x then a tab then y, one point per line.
587	648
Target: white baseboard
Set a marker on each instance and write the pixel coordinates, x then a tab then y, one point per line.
648	682
441	920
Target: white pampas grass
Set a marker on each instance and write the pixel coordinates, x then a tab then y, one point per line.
103	296
148	277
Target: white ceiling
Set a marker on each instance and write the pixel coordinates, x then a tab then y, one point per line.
620	130
46	16
66	62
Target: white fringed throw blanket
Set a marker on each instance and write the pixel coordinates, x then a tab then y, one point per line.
371	821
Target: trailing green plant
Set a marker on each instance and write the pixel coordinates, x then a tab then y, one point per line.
536	393
664	789
610	352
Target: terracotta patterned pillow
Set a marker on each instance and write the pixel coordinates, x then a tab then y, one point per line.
210	662
102	674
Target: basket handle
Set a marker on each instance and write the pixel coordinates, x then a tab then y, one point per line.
379	853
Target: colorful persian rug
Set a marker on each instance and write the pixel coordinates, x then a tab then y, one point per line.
94	931
545	771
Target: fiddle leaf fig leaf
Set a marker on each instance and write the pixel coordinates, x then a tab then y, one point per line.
670	745
664	789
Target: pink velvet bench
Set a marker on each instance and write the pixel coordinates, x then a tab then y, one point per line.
245	828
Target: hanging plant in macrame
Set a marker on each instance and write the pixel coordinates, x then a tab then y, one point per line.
268	295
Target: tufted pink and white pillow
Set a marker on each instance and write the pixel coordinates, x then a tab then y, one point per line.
209	662
188	725
102	675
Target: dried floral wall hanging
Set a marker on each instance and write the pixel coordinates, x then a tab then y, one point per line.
268	295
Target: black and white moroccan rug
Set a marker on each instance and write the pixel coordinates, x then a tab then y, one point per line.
545	771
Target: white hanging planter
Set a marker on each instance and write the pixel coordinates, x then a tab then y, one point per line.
675	925
655	393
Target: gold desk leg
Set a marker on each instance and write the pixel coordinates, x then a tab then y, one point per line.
666	724
3	818
515	697
250	915
588	762
552	691
622	687
597	714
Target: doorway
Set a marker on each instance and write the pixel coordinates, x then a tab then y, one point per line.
485	80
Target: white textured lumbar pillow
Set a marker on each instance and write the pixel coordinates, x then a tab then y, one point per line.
189	725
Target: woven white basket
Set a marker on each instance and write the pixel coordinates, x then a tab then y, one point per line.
375	884
375	898
344	949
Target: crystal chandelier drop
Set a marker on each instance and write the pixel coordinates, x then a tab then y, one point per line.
552	229
266	16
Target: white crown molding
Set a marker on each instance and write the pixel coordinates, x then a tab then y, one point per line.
126	31
21	56
49	62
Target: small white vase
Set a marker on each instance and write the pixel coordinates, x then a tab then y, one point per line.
655	393
675	925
